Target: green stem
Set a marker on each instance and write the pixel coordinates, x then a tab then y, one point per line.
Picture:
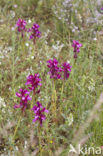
33	99
13	64
62	90
23	46
40	149
16	128
54	97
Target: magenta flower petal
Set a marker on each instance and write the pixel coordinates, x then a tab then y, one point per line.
17	106
18	94
36	118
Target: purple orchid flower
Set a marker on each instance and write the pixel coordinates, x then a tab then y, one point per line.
76	45
21	25
35	33
66	69
34	81
54	69
39	113
24	98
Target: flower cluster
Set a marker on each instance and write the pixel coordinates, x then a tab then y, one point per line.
56	72
76	45
39	113
23	94
66	68
24	98
34	81
35	32
102	8
54	69
21	25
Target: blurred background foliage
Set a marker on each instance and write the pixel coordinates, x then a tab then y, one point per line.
64	17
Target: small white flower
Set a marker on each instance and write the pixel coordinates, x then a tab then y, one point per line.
91	88
32	57
92	85
94	39
12	14
2	103
46	42
15	5
48	31
10	48
13	28
25	145
29	21
61	46
68	61
60	18
10	88
76	27
66	19
40	62
27	34
27	44
16	148
73	30
30	48
55	47
3	110
58	42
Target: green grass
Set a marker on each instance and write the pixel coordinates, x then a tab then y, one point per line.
80	92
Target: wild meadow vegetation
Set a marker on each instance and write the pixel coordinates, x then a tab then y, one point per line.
51	76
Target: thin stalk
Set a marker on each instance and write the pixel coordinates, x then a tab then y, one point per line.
33	98
54	98
16	128
61	98
23	46
32	103
46	108
13	64
40	148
